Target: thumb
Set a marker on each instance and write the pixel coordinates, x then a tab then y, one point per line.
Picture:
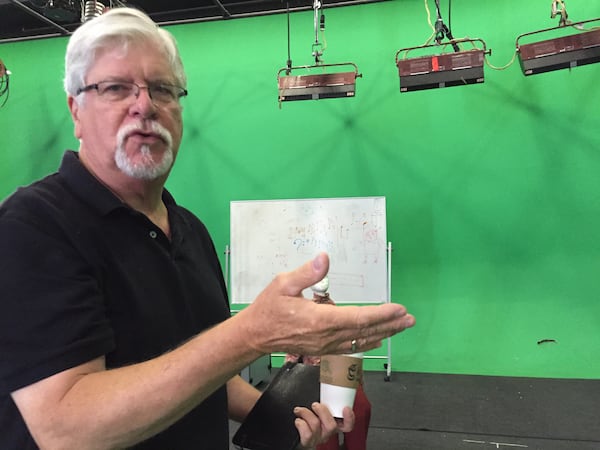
311	272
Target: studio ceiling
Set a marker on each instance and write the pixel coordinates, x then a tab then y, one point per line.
36	19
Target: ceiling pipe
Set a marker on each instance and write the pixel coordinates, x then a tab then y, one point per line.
27	9
157	17
226	14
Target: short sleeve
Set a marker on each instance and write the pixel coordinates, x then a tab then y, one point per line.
53	316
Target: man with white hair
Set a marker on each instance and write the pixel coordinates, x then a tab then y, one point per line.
115	329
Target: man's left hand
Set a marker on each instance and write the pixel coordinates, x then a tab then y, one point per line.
316	425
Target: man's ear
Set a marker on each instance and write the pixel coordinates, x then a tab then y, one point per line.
74	109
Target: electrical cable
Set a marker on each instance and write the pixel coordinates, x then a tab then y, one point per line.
317	48
441	30
450	14
289	52
4	83
559	8
504	67
429	39
323	36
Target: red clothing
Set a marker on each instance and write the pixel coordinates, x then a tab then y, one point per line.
357	438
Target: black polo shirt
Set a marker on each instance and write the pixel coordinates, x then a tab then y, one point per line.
83	275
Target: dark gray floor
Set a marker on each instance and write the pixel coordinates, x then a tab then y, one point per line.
417	411
383	439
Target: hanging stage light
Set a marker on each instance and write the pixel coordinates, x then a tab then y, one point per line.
559	53
441	70
317	86
562	52
320	85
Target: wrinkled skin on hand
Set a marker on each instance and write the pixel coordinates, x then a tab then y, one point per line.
281	320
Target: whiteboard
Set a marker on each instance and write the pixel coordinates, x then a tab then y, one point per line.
273	236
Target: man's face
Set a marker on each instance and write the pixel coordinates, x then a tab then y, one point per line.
135	136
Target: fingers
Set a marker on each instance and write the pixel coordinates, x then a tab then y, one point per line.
314	426
378	322
346	424
371	335
298	326
306	436
366	326
294	282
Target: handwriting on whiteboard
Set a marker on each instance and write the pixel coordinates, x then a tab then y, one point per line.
268	237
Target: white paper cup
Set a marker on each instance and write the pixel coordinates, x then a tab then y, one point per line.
336	398
340	376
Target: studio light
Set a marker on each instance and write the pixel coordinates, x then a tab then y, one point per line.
317	86
319	80
564	52
441	70
437	68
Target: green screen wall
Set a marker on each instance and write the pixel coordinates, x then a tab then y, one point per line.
493	190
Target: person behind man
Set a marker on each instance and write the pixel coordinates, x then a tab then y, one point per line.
115	329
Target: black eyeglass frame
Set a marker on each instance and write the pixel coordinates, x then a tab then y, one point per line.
95	86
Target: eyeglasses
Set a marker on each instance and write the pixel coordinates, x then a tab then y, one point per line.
116	91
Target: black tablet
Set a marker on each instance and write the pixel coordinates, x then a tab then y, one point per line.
270	424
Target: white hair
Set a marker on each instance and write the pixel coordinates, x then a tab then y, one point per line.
118	27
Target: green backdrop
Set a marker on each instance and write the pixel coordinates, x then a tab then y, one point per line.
493	190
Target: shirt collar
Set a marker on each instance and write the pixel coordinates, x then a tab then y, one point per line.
90	189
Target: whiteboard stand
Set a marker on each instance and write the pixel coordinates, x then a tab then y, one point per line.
388	364
227	252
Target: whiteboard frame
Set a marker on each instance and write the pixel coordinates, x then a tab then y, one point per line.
276	236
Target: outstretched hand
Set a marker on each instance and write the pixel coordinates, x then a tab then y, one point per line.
281	320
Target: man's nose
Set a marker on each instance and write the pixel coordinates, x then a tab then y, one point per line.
143	103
